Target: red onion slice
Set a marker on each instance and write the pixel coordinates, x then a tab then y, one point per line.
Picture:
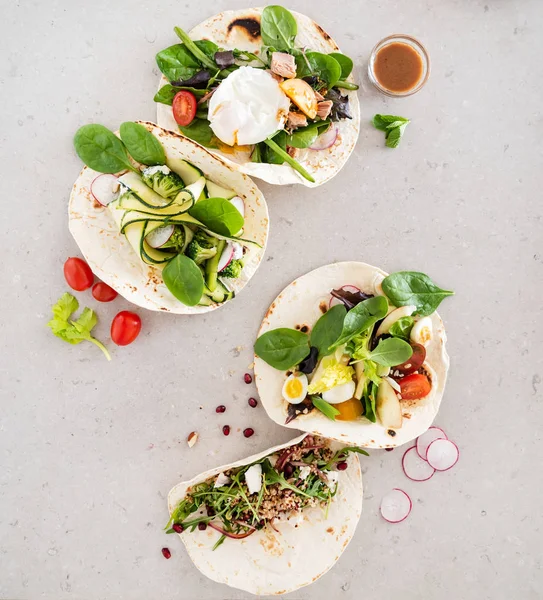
326	139
105	188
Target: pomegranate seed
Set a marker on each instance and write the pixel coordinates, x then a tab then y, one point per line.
248	432
210	512
202	526
252	402
342	466
226	430
166	553
247	378
221	408
389	449
288	470
177	528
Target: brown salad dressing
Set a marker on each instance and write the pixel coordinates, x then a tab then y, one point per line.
398	67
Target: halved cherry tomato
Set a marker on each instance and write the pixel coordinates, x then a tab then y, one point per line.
103	293
414	386
125	328
414	363
78	274
184	107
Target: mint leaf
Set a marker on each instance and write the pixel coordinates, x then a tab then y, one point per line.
384	122
395	135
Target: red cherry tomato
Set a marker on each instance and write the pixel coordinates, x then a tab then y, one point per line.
184	107
414	386
78	274
125	328
414	363
103	293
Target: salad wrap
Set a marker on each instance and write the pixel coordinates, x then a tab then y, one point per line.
321	146
288	513
354	355
159	234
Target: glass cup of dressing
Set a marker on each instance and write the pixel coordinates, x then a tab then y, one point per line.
399	65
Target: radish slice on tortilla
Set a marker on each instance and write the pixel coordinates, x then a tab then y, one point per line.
238	203
442	454
104	188
395	506
414	467
430	435
226	257
348	288
159	236
326	139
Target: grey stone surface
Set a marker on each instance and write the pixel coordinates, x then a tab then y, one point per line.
88	450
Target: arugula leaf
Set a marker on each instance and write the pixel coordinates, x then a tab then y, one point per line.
328	328
74	332
101	150
272	476
200	131
142	145
402	328
391	352
362	317
282	348
326	409
412	287
278	28
393	127
184	279
218	215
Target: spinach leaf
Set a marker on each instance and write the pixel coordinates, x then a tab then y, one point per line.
101	150
303	137
324	66
369	402
202	50
411	287
200	131
218	215
291	161
270	156
402	328
166	93
362	317
142	145
278	28
282	348
208	47
328	328
326	409
177	63
184	279
391	352
345	63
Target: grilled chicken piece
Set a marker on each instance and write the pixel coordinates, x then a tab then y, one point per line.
324	108
283	64
295	120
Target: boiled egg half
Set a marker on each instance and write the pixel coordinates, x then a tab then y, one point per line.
247	107
340	393
422	331
295	388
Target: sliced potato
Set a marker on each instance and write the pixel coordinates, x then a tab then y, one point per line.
302	94
387	406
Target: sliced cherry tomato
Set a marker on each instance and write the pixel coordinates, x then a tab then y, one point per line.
414	363
414	386
184	107
125	328
78	274
103	293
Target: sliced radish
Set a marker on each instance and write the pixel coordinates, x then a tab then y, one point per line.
159	236
104	188
414	467
238	203
238	251
430	435
442	454
395	506
326	139
348	288
226	257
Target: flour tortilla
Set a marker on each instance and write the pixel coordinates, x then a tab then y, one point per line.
323	164
298	304
113	259
270	562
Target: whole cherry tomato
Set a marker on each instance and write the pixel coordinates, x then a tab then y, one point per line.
78	274
125	327
103	293
415	362
184	107
414	386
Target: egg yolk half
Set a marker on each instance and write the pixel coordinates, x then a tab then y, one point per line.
294	388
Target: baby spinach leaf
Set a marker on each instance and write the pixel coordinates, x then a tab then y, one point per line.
402	328
303	137
328	329
200	131
278	28
291	161
270	156
202	50
391	352
362	317
177	63
184	279
282	348
345	63
101	150
218	215
166	93
324	66
142	145
326	409
412	287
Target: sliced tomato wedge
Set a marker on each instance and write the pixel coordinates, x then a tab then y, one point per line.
414	363
414	386
184	107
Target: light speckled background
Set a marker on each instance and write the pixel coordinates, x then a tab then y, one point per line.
88	449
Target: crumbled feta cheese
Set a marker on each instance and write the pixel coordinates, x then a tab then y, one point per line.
304	473
152	170
221	480
332	478
253	479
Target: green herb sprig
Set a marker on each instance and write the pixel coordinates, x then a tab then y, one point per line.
393	126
